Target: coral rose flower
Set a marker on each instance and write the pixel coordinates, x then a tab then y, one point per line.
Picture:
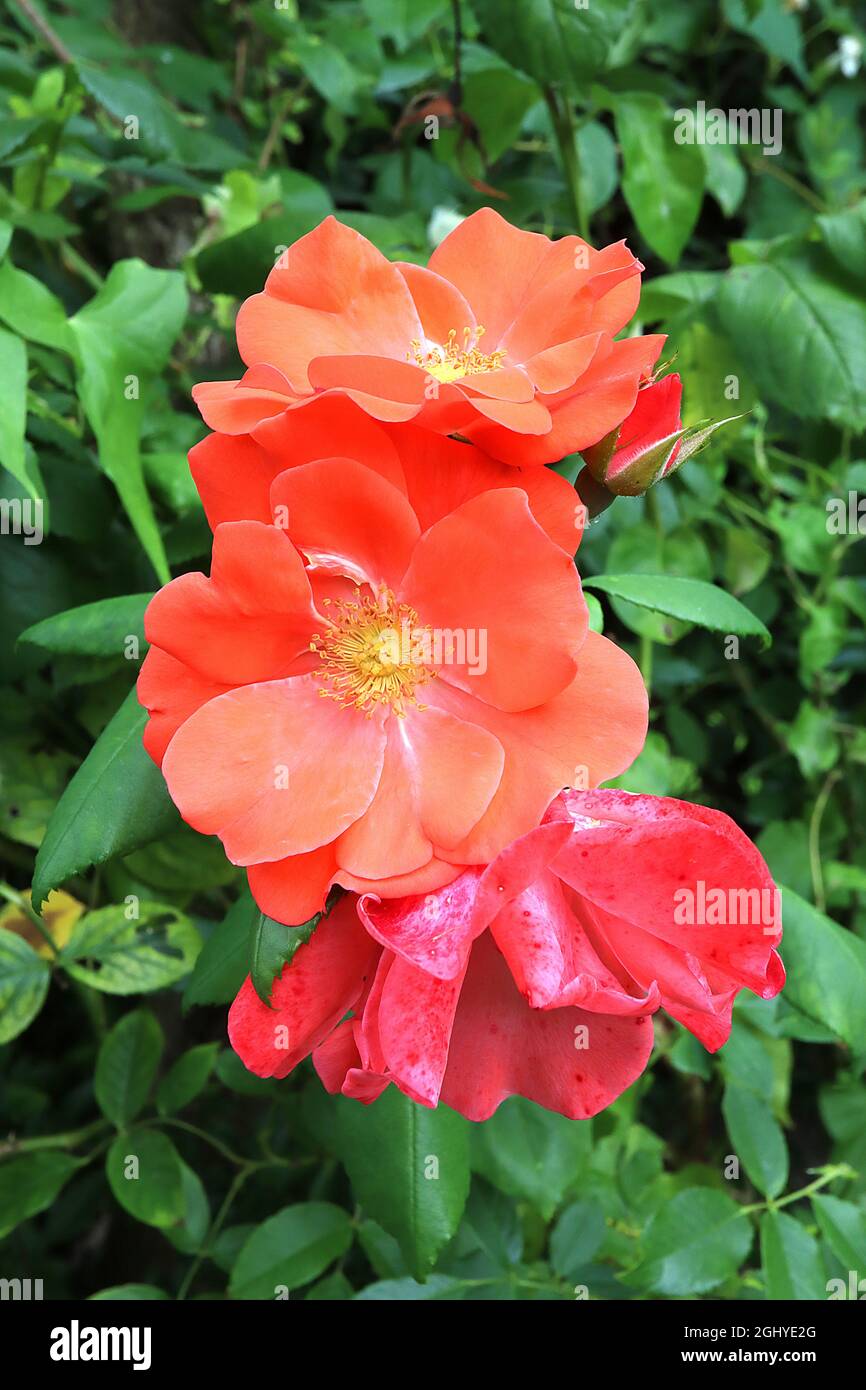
506	338
465	1037
234	473
385	687
535	975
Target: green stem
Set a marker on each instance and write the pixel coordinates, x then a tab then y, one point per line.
19	901
237	1183
70	1139
563	126
815	838
830	1174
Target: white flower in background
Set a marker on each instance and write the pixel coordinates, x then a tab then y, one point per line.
849	52
442	223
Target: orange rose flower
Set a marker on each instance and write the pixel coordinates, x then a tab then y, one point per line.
386	686
506	338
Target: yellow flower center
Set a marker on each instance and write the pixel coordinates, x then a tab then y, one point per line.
370	654
450	361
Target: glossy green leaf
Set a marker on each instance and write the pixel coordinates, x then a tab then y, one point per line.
186	1078
409	1168
690	600
24	978
222	966
290	1249
29	1183
131	949
115	802
95	629
531	1153
692	1244
126	1066
145	1173
663	182
272	946
757	1138
793	1268
124	335
826	969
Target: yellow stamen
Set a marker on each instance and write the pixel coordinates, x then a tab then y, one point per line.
369	654
450	362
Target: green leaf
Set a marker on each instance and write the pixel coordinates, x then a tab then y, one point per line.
845	235
188	1076
124	335
119	954
221	967
290	1249
438	1288
402	20
13	415
126	1066
29	1184
662	182
577	1237
189	1237
134	1293
32	311
775	27
826	970
531	1153
182	862
94	629
793	1268
145	1173
757	1139
843	1226
115	802
556	41
799	327
692	1243
273	945
409	1168
691	600
24	978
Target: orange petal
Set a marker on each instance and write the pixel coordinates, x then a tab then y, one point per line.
439	777
292	890
236	407
560	366
233	475
440	474
432	875
529	418
566	301
590	732
346	519
440	305
248	767
250	620
503	384
382	377
488	574
330	426
492	264
170	691
604	396
332	293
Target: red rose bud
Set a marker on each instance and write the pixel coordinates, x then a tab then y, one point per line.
644	448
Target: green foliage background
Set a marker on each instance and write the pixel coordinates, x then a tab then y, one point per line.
125	247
